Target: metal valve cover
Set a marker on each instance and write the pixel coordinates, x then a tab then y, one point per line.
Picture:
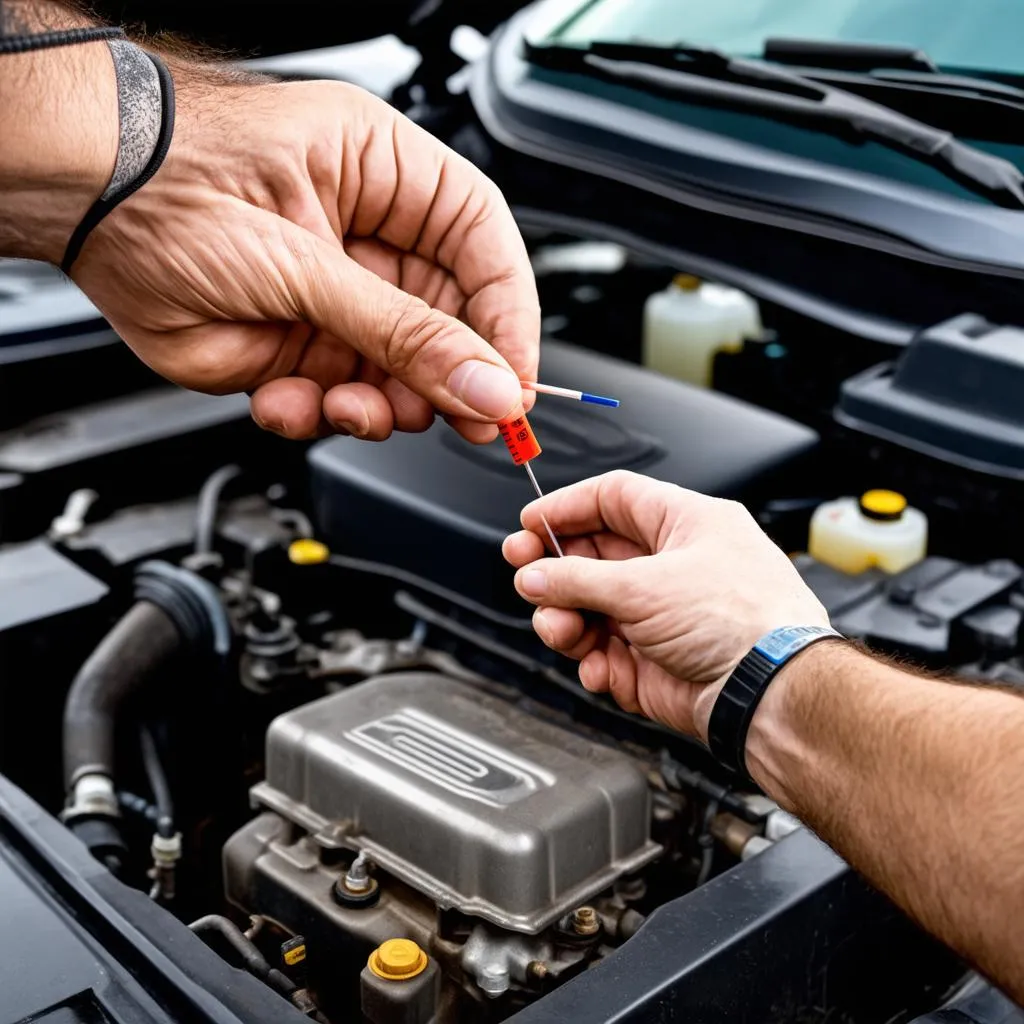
482	807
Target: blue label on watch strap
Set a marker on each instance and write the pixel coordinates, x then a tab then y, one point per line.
781	644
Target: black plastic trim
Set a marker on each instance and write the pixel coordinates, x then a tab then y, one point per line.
696	168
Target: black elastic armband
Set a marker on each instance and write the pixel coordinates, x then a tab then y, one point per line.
107	203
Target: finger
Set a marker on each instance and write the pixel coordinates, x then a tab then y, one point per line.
622	677
413	414
567	632
519	549
434	354
594	671
289	406
633	506
360	409
612	588
475	433
410	272
442	207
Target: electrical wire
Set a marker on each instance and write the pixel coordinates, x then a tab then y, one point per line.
208	506
157	783
252	959
411	579
62	37
706	843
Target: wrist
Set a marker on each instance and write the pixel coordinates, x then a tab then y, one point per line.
776	746
59	123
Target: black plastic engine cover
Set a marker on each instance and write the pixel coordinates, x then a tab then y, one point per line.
438	506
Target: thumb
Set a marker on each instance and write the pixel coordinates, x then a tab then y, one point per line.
432	353
585	583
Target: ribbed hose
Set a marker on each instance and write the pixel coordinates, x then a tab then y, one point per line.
130	654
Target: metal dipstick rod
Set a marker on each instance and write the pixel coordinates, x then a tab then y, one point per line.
522	444
547	525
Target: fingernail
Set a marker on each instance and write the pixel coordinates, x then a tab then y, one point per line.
541	627
355	429
534	582
485	388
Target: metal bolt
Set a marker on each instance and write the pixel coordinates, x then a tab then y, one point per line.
493	979
584	921
357	878
537	970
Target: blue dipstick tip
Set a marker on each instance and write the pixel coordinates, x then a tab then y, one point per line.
599	400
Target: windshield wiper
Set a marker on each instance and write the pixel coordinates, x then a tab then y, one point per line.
900	64
965	105
710	78
842	56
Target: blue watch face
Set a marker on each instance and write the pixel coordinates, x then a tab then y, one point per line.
781	644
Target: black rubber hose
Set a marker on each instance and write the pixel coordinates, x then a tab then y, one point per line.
143	641
252	959
158	784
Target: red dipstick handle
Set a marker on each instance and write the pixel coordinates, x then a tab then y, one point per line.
519	439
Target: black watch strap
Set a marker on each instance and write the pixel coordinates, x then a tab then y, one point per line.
734	709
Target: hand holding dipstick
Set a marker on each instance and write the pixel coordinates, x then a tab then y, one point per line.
522	442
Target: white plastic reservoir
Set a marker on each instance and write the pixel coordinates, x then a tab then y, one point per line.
878	529
690	321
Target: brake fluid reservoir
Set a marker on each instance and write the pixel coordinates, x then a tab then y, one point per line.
879	530
688	322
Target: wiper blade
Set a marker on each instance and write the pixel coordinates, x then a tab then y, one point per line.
842	56
942	101
897	64
710	78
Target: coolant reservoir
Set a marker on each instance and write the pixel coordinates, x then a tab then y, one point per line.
688	322
742	310
879	530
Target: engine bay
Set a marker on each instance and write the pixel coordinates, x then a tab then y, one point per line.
298	703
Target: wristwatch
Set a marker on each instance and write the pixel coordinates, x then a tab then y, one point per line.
734	709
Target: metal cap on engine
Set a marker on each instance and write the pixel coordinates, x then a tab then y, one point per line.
397	960
884	506
308	552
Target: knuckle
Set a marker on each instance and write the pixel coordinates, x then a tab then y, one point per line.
412	328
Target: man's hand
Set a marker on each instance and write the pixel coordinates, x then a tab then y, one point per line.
310	245
686	585
303	242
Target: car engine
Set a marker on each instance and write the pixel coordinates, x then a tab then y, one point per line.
287	691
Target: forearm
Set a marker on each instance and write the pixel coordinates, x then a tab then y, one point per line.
913	781
59	131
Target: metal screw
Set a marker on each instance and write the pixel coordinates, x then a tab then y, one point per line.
493	979
584	921
537	969
357	878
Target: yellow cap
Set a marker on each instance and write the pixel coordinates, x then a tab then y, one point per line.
308	552
687	282
397	960
883	504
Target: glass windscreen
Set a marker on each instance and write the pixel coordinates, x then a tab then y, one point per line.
981	35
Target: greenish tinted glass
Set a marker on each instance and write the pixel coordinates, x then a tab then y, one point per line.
980	34
984	35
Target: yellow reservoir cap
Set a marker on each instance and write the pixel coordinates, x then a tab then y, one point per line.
397	960
883	505
686	282
308	552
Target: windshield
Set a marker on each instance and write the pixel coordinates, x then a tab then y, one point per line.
977	35
981	37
